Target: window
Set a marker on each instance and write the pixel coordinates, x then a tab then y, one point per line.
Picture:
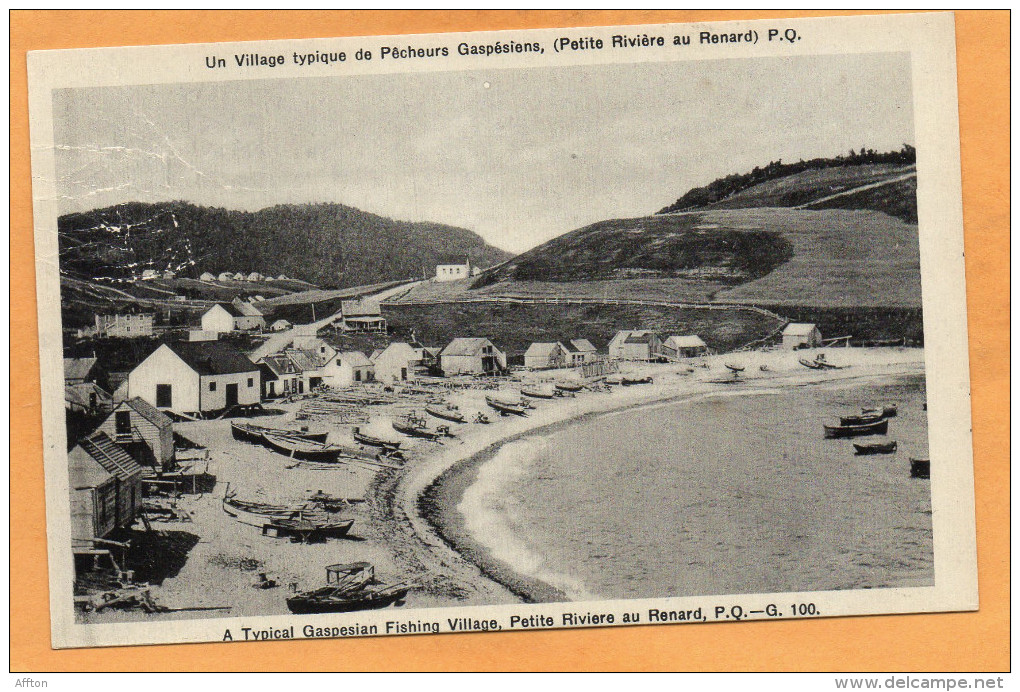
357	376
251	381
212	385
122	423
164	396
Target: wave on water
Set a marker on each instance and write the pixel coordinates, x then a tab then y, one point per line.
492	515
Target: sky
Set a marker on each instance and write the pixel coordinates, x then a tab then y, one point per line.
518	156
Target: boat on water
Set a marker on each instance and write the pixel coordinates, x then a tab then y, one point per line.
349	587
446	414
306	450
876	448
504	408
249	432
629	381
920	468
413	426
878	428
568	387
537	394
370	441
860	420
887	411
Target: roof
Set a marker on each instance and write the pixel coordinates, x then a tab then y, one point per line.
799	329
281	323
86	472
465	346
453	259
212	357
541	349
229	307
149	412
582	345
78	368
111	456
80	394
375	354
246	309
691	341
360	307
304	359
279	364
639	338
355	359
400	348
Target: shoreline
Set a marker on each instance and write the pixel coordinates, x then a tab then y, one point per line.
428	495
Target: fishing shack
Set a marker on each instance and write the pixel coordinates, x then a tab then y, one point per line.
472	356
545	356
801	335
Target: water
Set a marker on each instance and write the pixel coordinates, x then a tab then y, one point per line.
735	493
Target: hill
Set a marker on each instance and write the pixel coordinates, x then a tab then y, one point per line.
329	245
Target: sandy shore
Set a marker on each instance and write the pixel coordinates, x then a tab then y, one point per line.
404	537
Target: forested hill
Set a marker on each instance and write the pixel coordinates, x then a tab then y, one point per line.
330	245
866	179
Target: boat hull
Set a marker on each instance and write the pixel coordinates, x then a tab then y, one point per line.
303	450
505	409
879	428
445	415
303	605
864	450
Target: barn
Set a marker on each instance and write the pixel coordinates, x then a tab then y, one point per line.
801	335
144	431
196	377
545	356
471	356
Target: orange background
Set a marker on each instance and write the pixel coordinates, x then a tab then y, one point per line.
943	642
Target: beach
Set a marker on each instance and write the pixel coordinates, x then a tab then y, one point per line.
408	525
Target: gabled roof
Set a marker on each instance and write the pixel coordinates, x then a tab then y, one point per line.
246	309
229	307
581	345
78	368
397	349
111	456
799	329
355	359
465	346
281	323
362	307
85	472
80	394
149	412
305	359
212	357
453	259
690	341
375	354
542	349
274	344
279	364
639	338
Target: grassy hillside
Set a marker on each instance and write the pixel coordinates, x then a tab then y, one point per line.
326	244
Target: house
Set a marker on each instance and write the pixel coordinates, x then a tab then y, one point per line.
236	316
78	370
689	346
472	356
311	366
149	274
801	335
169	274
453	267
106	488
239	276
634	344
125	325
87	397
545	355
144	431
362	315
283	277
225	276
255	276
349	367
280	377
280	326
196	377
207	276
396	362
313	343
579	352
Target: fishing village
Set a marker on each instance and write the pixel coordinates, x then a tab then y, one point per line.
290	477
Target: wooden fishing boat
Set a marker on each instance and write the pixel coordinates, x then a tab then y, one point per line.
258	514
735	379
876	448
307	530
413	427
629	381
877	428
888	411
734	368
920	468
505	408
568	387
446	414
814	365
248	432
370	441
860	420
306	450
536	394
348	588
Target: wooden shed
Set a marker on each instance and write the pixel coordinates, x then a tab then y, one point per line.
472	356
106	487
801	335
545	355
144	431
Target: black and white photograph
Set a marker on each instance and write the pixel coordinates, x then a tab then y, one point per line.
520	330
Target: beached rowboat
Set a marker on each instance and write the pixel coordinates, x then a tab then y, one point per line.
505	408
248	432
446	414
348	588
565	387
877	428
628	381
920	468
860	420
406	427
889	411
370	441
305	450
734	368
877	448
536	394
